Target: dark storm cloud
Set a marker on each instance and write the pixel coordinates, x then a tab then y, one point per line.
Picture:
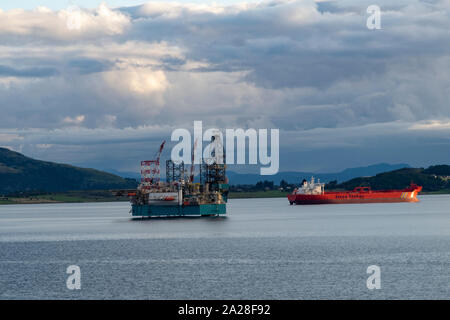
86	65
316	49
35	72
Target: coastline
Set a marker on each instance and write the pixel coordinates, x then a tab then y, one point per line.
65	197
86	197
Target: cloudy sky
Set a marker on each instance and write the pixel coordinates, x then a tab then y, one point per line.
100	84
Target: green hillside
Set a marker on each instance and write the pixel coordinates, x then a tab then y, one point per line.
432	179
19	173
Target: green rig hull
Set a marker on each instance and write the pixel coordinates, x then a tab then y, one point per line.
146	210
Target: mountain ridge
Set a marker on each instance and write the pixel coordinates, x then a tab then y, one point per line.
291	176
297	177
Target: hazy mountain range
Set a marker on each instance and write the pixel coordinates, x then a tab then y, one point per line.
295	177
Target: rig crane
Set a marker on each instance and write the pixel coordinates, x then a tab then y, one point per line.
191	177
150	170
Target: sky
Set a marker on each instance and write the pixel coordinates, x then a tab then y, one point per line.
63	4
101	84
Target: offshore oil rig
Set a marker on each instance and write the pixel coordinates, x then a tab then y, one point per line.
179	195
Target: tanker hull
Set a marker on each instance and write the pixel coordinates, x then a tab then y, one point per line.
359	195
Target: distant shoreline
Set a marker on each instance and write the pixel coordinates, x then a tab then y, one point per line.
86	197
65	197
78	197
43	201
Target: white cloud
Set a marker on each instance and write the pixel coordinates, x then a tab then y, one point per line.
43	146
9	137
63	25
137	80
173	10
431	125
82	136
74	120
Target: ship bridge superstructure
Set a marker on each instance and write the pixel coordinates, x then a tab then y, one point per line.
311	187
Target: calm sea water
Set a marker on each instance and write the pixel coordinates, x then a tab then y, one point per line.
263	249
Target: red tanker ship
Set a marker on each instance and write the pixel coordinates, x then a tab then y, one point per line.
314	193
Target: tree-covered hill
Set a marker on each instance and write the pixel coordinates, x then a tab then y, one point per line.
434	178
19	173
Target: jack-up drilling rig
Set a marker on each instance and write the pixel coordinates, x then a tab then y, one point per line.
179	195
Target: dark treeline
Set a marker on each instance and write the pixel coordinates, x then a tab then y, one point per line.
432	179
263	186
